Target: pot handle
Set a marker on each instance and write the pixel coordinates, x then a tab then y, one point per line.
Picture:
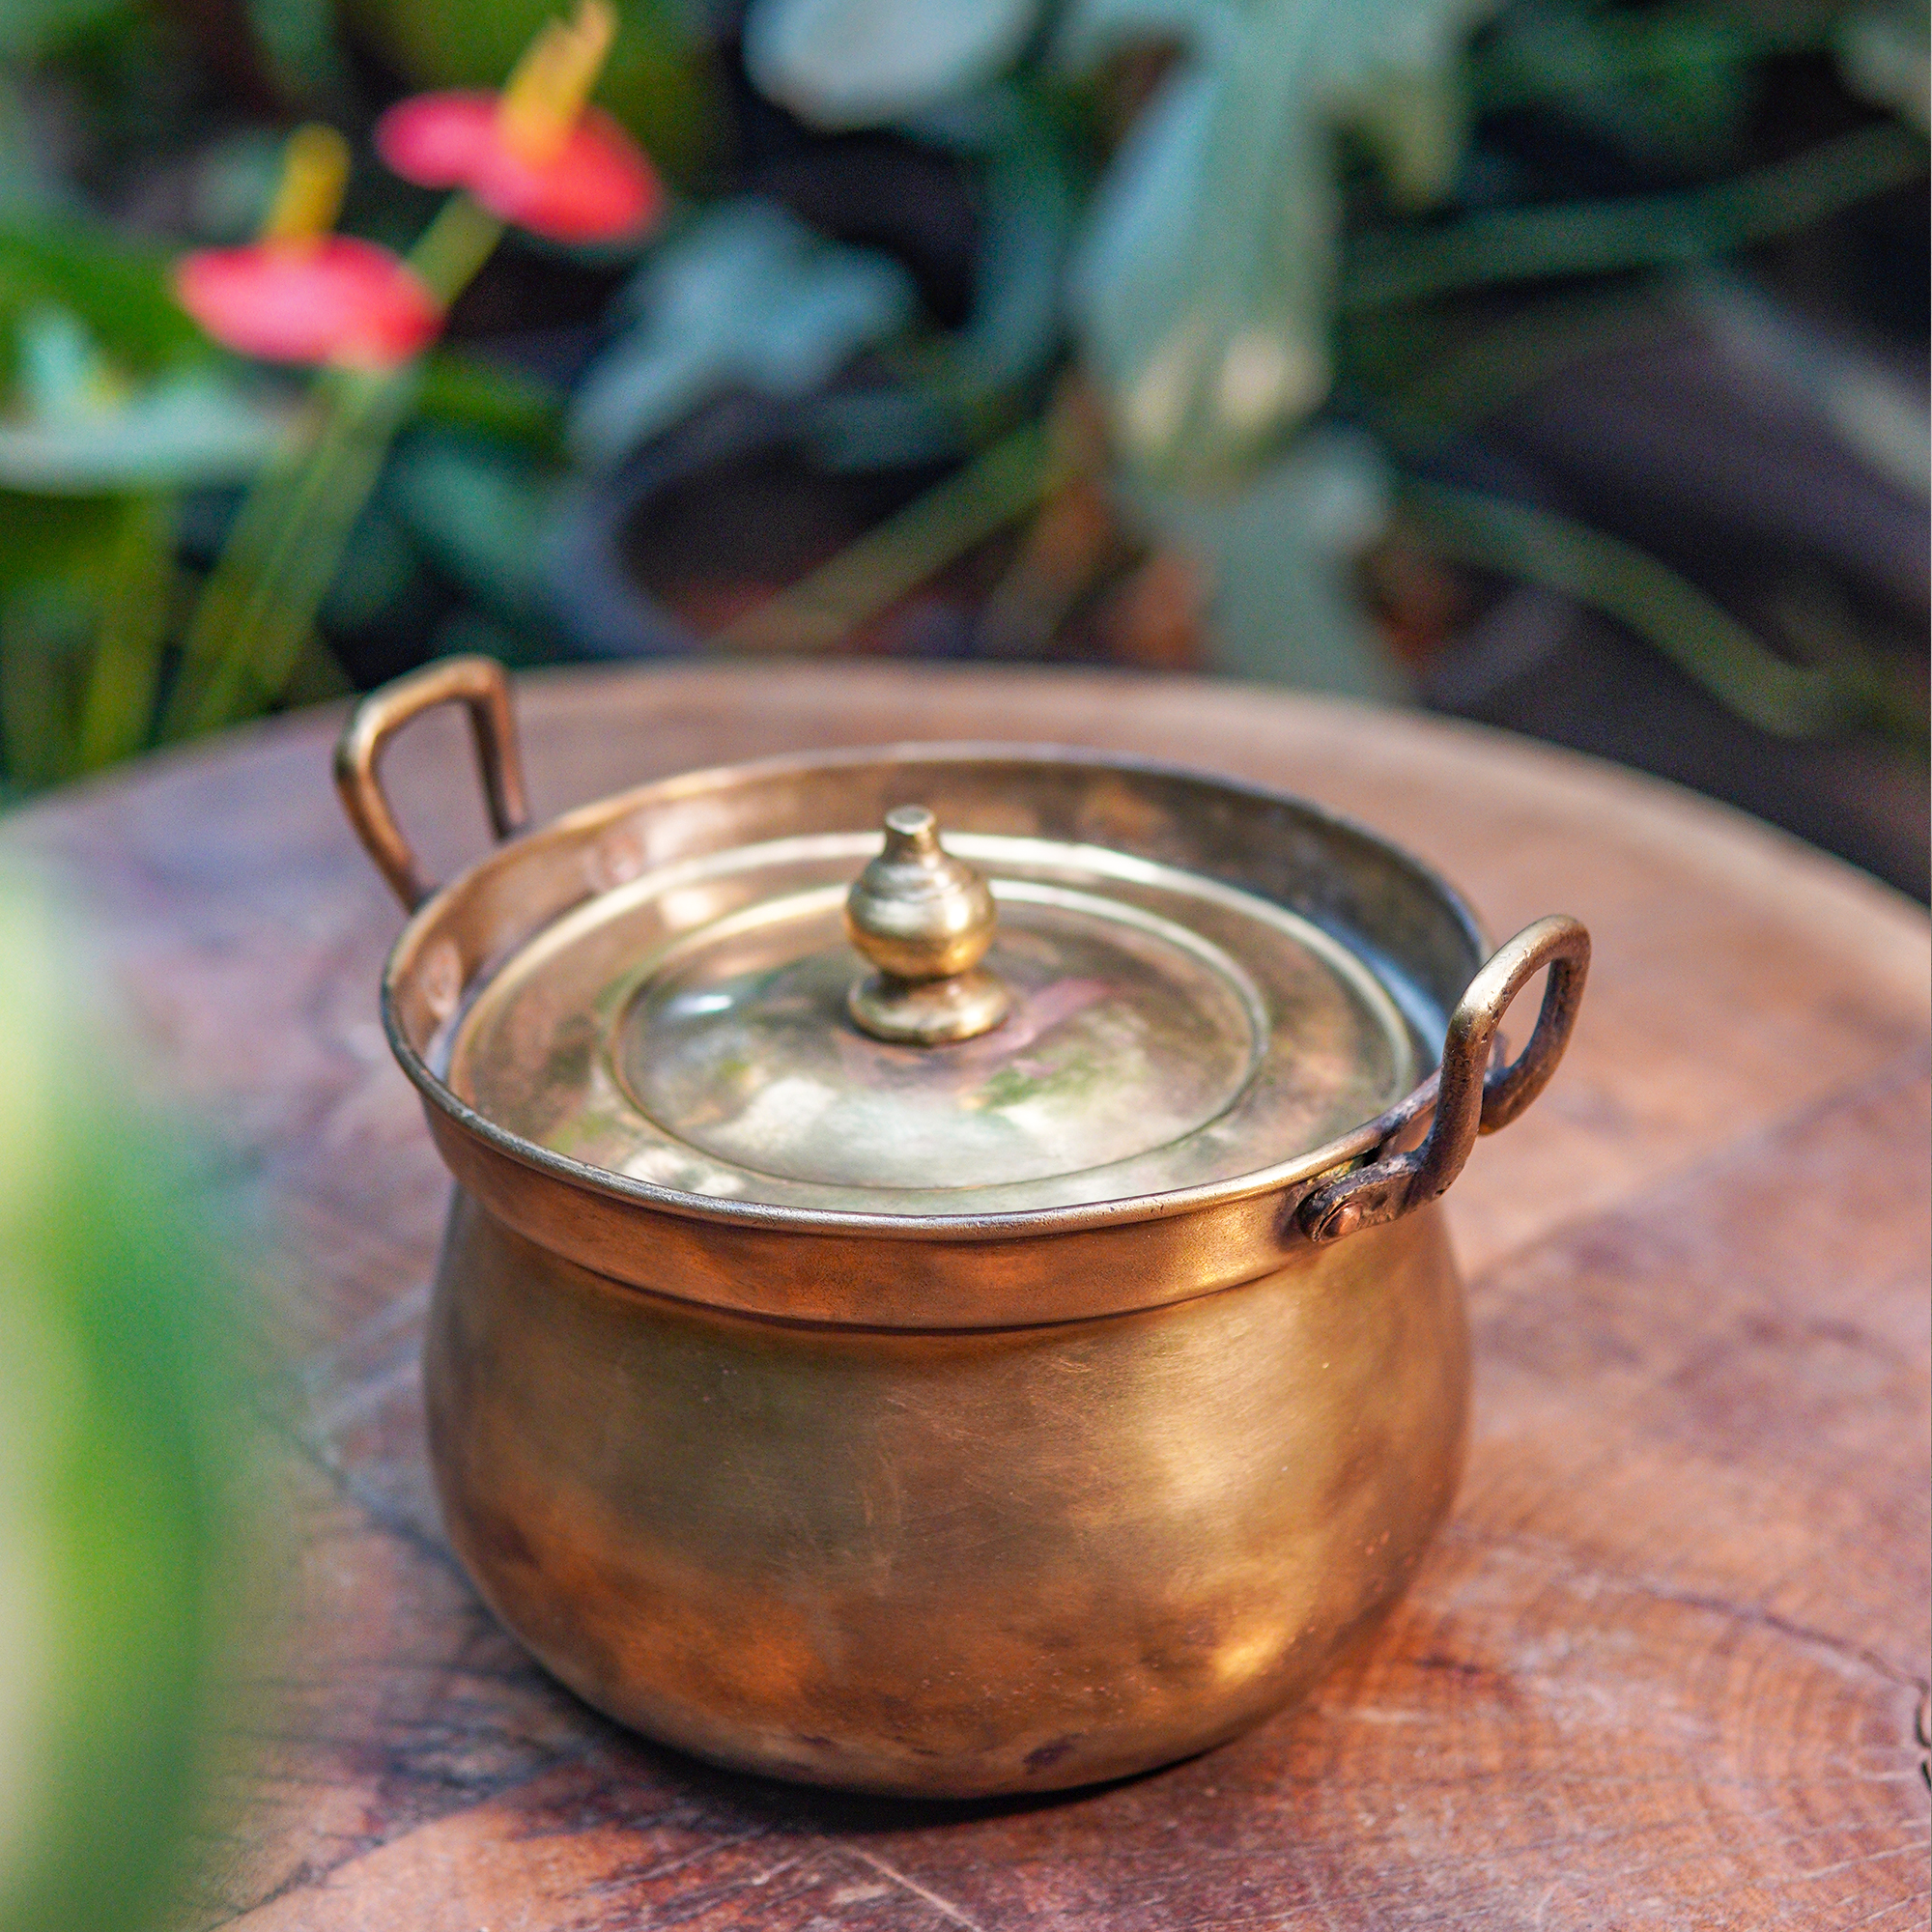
1471	1097
481	684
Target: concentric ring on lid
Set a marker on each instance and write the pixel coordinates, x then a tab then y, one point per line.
690	1030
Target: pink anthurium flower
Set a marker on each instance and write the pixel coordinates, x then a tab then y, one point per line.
332	300
534	154
299	294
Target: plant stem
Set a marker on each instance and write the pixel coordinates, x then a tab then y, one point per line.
255	613
281	622
274	611
268	520
873	574
450	250
1435	382
262	514
1634	52
1700	638
1602	237
36	704
118	709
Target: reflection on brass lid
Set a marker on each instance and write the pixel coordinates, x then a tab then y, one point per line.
925	919
691	1029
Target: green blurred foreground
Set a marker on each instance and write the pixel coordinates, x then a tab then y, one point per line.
110	1463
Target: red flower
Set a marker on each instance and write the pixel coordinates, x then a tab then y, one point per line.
595	187
330	298
533	154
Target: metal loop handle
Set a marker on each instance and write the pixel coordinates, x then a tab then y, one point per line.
1470	1097
478	683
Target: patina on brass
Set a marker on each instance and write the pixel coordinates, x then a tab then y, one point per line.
944	1419
925	919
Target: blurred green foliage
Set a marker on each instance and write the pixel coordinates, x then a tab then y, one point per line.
1251	226
744	297
34	29
112	1451
121	414
117	406
1266	211
1222	214
117	288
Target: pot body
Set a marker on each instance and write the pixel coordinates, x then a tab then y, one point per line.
945	1562
905	1485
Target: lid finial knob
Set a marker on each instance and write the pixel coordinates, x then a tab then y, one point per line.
924	918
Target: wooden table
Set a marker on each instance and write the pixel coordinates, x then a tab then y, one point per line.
1666	1666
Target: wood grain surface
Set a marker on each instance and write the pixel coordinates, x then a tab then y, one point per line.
1665	1667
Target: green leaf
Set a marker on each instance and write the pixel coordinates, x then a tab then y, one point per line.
32	184
86	591
233	185
1000	484
1416	123
1283	556
82	429
380	580
1438	368
185	433
467	392
1027	223
43	627
117	711
42	537
1883	54
62	372
113	1444
31	30
1094	31
251	623
1698	636
1672	80
478	515
1200	289
1203	287
120	292
298	37
1513	244
841	64
747	296
963	387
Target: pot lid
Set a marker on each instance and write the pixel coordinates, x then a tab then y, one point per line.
982	1023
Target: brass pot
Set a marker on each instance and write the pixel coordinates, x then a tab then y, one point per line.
1020	1365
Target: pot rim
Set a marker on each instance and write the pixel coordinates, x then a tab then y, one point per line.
583	820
